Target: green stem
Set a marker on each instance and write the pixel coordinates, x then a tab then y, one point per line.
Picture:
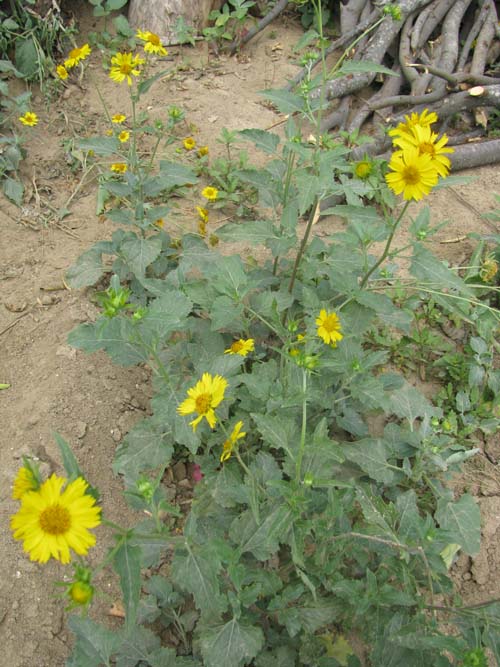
387	248
298	464
303	244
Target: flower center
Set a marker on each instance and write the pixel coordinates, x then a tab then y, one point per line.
330	324
55	520
411	175
236	347
74	54
203	403
125	68
153	39
428	148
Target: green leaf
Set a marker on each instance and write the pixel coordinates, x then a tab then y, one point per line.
114	5
7	66
94	644
428	268
195	570
138	644
409	403
254	232
228	276
225	311
371	456
144	86
262	540
100	145
308	186
26	56
279	432
263	140
177	174
231	644
284	101
116	336
139	253
146	446
87	269
71	464
127	563
13	190
167	314
463	520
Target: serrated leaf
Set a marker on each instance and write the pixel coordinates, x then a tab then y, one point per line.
284	100
308	187
370	455
263	140
86	271
146	446
463	520
228	276
127	563
70	463
224	311
195	571
26	56
139	253
279	432
13	190
177	174
95	644
100	145
428	268
262	540
254	232
231	644
138	643
409	403
167	314
116	336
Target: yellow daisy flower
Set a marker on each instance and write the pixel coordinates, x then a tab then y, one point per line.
124	136
30	118
412	175
329	327
229	444
203	398
123	65
160	223
118	118
425	119
25	481
62	72
76	55
51	521
203	213
119	167
202	150
153	43
241	347
428	143
189	143
210	193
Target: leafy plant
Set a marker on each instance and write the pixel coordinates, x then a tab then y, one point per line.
228	21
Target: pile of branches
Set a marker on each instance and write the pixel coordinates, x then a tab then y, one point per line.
445	58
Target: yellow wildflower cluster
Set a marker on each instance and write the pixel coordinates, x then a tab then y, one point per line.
51	521
421	158
75	56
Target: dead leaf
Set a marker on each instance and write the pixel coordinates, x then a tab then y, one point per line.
16	307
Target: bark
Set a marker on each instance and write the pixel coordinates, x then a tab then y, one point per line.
160	16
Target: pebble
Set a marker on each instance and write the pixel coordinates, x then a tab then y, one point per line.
80	429
179	470
66	351
116	434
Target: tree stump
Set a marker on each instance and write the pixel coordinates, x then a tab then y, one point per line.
160	16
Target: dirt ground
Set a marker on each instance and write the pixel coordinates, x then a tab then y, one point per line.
86	399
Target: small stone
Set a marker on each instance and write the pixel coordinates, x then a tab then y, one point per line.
179	470
66	351
116	434
46	300
32	421
466	576
80	429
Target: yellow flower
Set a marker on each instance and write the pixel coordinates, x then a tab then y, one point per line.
241	347
153	43
210	193
51	521
230	443
62	72
123	65
363	169
74	56
124	136
118	118
413	175
25	481
427	143
30	118
425	119
203	213
203	398
160	223
189	143
119	167
202	150
489	269
329	327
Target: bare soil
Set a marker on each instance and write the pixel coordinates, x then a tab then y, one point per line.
87	399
